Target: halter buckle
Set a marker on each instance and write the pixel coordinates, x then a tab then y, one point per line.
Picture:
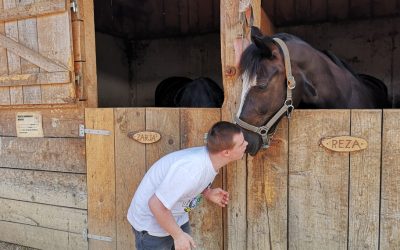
291	82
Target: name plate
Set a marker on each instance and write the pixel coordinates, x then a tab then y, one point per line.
344	143
145	137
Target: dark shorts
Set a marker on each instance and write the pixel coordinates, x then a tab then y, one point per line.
145	241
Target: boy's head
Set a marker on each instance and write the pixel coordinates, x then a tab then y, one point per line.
221	136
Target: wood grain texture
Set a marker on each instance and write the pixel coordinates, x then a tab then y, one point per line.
40	237
42	215
33	9
56	122
130	167
318	181
4	91
60	189
267	194
50	154
166	122
207	220
101	178
365	168
390	197
235	228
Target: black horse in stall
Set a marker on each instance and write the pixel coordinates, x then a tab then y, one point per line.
185	92
283	72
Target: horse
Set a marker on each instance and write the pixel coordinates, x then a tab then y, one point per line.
283	72
184	92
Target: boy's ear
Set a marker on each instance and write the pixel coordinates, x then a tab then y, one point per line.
225	152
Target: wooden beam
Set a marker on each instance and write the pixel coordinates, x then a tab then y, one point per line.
53	188
101	178
35	79
235	228
50	154
33	9
41	215
30	55
40	237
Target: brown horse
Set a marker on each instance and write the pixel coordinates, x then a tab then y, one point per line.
283	72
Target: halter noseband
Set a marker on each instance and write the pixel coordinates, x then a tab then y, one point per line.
287	107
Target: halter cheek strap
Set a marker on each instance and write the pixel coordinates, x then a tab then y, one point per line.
287	107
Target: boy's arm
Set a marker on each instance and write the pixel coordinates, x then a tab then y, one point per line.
164	217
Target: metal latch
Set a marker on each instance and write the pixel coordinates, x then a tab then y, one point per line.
74	6
83	131
88	236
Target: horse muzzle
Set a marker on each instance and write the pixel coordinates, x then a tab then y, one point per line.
254	142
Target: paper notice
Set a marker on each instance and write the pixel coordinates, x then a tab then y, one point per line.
29	124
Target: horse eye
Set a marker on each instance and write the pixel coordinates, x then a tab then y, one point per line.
261	85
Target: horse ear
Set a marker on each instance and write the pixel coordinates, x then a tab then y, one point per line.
262	42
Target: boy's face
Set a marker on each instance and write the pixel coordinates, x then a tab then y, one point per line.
239	147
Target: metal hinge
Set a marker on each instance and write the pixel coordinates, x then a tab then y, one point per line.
83	131
88	236
74	6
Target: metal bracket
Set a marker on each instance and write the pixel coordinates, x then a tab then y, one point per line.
83	131
88	236
74	6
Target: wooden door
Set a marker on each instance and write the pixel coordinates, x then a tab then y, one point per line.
36	52
116	164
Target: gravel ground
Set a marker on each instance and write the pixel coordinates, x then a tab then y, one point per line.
9	246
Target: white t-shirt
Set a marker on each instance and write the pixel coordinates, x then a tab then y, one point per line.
177	180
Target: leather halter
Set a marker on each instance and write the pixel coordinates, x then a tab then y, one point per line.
287	107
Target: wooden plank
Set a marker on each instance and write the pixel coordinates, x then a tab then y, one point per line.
27	35
171	16
360	9
166	122
205	16
10	246
319	10
54	36
302	10
384	8
50	154
285	12
101	178
35	79
184	16
267	194
130	167
30	55
390	191
207	220
338	9
318	181
235	228
89	67
33	9
53	188
56	122
269	8
4	91
394	87
39	237
194	20
14	61
365	168
41	215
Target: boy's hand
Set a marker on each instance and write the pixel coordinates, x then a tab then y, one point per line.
183	241
217	195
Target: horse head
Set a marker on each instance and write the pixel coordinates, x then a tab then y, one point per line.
283	72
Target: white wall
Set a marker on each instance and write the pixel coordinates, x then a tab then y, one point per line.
153	61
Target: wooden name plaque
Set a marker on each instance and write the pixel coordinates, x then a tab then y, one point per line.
145	137
344	143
